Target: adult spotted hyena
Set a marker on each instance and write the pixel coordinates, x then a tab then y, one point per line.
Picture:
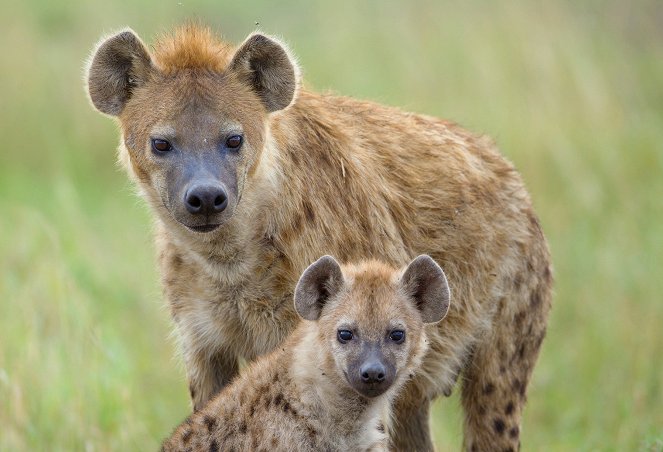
251	178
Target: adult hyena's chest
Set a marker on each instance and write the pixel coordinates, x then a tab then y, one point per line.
246	319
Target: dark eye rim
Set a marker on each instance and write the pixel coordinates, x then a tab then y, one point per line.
341	339
237	137
400	336
156	141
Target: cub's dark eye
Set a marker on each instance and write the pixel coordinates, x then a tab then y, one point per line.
234	141
344	336
397	336
161	145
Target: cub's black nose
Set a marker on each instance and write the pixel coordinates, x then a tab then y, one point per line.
205	199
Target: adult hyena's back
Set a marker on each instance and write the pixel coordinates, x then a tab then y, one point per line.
363	180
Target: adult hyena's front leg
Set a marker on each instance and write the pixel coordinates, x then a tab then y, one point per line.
208	374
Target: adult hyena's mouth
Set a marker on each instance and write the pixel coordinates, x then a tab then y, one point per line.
204	228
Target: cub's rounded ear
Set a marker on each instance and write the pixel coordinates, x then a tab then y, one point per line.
321	280
119	64
426	283
266	65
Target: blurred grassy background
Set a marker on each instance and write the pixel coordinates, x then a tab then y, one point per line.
572	92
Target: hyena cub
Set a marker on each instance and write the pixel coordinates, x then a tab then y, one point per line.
331	384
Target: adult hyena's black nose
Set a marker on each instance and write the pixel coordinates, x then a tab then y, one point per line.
372	372
205	199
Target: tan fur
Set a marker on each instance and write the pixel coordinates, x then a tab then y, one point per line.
297	398
333	175
191	47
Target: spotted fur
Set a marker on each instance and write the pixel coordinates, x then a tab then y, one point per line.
299	397
322	174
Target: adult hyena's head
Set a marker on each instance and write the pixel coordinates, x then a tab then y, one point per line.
193	115
371	318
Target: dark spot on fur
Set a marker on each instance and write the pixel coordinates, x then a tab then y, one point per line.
365	226
499	426
308	210
488	388
517	384
278	399
312	432
213	447
296	223
519	318
177	262
500	305
535	301
514	432
192	391
295	158
210	423
509	408
252	411
521	351
518	281
286	407
474	448
502	369
380	427
242	427
482	410
276	378
186	436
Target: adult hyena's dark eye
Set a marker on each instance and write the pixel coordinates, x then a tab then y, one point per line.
344	336
397	336
234	141
161	145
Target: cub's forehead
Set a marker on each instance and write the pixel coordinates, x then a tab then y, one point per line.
373	295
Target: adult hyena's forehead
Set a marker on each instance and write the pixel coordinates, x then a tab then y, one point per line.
191	47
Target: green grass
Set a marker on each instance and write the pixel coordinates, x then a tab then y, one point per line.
572	92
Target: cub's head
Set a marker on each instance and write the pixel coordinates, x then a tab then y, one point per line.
371	317
193	115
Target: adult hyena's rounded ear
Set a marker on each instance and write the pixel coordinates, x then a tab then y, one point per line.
320	281
120	64
266	65
427	284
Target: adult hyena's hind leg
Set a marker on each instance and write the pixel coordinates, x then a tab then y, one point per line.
496	378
